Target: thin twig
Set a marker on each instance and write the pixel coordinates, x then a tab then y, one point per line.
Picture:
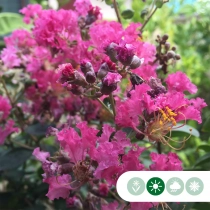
147	20
116	197
116	11
22	145
112	103
101	102
7	92
159	148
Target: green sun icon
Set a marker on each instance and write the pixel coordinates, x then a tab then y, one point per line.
155	186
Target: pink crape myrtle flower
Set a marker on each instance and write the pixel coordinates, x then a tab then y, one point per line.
112	78
21	39
180	82
9	57
82	6
164	162
59	187
75	145
31	12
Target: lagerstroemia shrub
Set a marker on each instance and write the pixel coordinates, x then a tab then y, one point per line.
94	80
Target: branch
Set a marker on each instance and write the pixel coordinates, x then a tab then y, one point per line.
101	102
116	11
112	103
147	20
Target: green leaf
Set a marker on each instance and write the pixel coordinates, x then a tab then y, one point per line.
204	147
109	2
10	22
38	129
206	126
14	158
202	160
127	14
186	129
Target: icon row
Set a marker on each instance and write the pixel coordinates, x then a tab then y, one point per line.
156	186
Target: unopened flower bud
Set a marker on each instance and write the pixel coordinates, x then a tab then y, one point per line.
125	53
111	51
144	12
171	54
76	90
167	46
98	94
173	48
159	3
86	66
165	37
51	131
65	168
70	75
178	57
103	71
136	62
107	89
140	136
90	77
93	14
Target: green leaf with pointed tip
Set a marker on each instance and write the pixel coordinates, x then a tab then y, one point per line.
109	2
202	160
127	14
10	22
14	158
204	147
185	129
206	126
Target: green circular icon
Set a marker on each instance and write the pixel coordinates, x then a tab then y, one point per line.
194	186
155	186
175	186
136	186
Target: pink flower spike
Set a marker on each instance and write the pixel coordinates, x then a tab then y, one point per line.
41	156
180	82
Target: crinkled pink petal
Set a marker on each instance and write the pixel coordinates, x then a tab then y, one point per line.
82	7
88	134
107	131
198	103
164	162
112	78
41	156
9	57
180	82
59	187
